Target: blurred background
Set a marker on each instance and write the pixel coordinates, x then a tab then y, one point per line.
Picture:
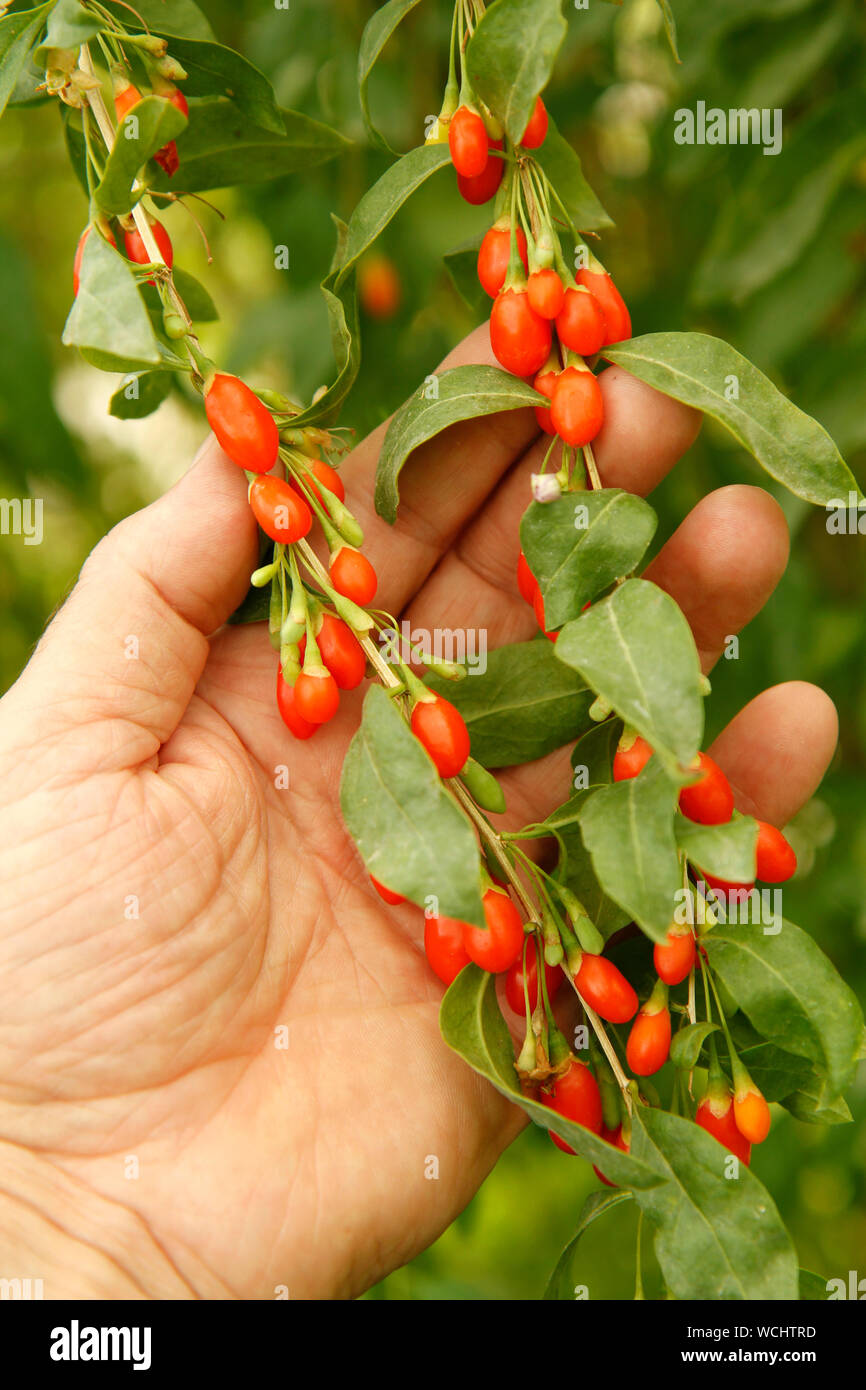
768	252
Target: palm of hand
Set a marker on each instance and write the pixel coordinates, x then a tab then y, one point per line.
205	1013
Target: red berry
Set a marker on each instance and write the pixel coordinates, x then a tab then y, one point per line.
79	256
611	1136
546	294
536	128
327	476
538	610
168	159
295	722
553	978
281	513
317	698
177	98
125	100
243	425
628	762
710	800
352	575
481	189
716	1116
575	1096
735	892
379	287
440	728
443	944
495	253
649	1042
606	989
616	316
577	407
467	141
675	958
776	861
545	382
393	899
498	945
519	338
340	651
526	581
580	322
138	252
752	1115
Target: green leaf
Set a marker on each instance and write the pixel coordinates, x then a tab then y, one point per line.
194	295
69	26
342	304
704	372
813	1289
150	125
628	830
221	147
254	608
213	70
593	755
108	315
409	829
578	545
522	706
472	1024
777	1073
561	1283
140	395
180	18
814	1104
562	166
380	203
18	34
717	1238
616	647
462	267
791	994
576	870
725	851
670	26
510	57
687	1043
462	393
377	31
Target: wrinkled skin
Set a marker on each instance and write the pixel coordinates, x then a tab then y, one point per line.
198	984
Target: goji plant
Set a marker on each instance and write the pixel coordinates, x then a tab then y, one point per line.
634	944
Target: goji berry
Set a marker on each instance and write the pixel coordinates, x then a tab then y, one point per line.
519	338
79	256
467	141
327	476
498	945
293	720
553	978
751	1114
379	288
546	294
125	99
352	575
616	316
580	322
575	1096
545	382
243	425
776	861
536	127
482	188
605	989
495	253
538	610
675	957
443	945
649	1041
280	511
526	581
138	252
715	1114
317	698
577	406
440	728
628	762
710	800
611	1136
340	651
393	899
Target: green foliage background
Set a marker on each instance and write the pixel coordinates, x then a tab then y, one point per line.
768	252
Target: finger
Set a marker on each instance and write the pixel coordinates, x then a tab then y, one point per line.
124	653
777	749
723	563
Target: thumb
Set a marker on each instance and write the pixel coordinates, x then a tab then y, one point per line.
127	648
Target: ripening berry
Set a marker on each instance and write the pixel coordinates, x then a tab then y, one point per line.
577	407
536	126
710	800
776	861
138	252
243	425
580	322
352	575
294	722
751	1114
125	99
553	979
649	1041
494	254
616	316
526	581
467	141
280	511
628	762
575	1096
605	989
379	288
675	957
392	899
317	698
519	338
79	256
716	1116
443	945
545	382
482	188
497	946
546	294
440	728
